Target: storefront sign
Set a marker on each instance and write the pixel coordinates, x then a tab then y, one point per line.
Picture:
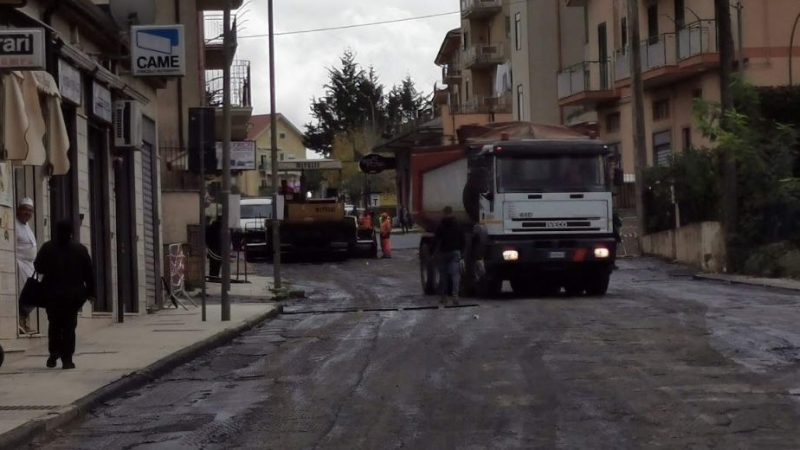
22	49
69	82
309	164
375	163
243	155
102	108
158	50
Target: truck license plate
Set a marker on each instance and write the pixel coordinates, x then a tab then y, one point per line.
558	255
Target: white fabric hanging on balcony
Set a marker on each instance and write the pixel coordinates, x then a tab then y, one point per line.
502	80
25	126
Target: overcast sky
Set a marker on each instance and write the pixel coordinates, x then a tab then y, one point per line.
302	60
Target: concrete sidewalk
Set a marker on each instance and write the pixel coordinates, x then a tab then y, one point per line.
777	283
110	358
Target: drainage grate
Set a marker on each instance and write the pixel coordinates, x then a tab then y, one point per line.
290	312
29	407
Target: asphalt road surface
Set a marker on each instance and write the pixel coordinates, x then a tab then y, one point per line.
367	362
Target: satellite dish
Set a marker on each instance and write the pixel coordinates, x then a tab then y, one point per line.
133	12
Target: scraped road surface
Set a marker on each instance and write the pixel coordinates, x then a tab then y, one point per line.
366	361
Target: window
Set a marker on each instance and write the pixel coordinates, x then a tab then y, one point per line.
680	14
624	33
697	93
686	135
282	156
558	173
661	110
466	91
520	103
466	39
517	31
282	135
585	24
613	122
662	148
263	165
652	23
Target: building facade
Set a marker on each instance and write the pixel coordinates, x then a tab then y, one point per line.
258	183
109	191
680	63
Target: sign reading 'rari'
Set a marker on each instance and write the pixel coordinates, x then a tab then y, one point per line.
158	51
22	48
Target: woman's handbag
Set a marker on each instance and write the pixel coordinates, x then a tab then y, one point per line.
33	293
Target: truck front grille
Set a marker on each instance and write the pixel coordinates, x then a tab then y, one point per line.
554	224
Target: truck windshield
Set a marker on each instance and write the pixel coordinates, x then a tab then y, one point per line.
551	173
256	211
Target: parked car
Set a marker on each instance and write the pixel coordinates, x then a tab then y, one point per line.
254	215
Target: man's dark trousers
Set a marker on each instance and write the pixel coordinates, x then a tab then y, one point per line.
61	332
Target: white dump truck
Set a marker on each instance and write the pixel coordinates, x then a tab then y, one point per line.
536	212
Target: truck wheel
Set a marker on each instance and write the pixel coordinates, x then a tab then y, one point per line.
373	250
429	276
597	283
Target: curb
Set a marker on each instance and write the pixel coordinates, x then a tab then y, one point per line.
43	427
704	277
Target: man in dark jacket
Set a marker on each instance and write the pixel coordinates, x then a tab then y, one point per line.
448	241
68	281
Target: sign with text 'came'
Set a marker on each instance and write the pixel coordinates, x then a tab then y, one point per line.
158	51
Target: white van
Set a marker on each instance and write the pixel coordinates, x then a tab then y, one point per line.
254	212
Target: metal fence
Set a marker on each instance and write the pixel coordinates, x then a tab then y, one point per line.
241	90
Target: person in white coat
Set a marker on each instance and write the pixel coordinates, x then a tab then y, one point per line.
26	254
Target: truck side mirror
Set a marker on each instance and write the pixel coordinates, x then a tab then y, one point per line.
619	177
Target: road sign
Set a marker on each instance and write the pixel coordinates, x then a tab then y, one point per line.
158	51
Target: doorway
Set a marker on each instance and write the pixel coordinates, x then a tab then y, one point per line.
124	197
99	216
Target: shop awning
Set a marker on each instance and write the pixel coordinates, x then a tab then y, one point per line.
25	124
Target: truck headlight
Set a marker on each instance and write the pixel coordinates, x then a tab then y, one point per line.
510	255
601	252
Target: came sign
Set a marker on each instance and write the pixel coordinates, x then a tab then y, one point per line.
158	50
22	48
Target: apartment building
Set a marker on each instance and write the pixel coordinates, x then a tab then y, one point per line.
201	87
76	169
545	36
680	63
253	183
476	68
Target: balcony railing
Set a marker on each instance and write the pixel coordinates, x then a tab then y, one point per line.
587	76
214	28
659	51
241	91
175	174
450	72
480	8
698	38
484	55
622	64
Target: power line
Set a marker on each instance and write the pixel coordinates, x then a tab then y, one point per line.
344	27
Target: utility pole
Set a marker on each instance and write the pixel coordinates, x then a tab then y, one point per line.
637	110
739	7
729	191
276	234
225	301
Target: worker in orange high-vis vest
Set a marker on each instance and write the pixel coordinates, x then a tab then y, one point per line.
386	235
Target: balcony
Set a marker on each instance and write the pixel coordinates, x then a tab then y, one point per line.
586	83
484	56
241	97
698	49
484	105
175	174
451	74
672	57
217	5
480	9
214	49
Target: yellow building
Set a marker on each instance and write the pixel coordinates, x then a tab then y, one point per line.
254	183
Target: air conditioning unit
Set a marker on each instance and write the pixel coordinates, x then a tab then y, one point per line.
127	124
